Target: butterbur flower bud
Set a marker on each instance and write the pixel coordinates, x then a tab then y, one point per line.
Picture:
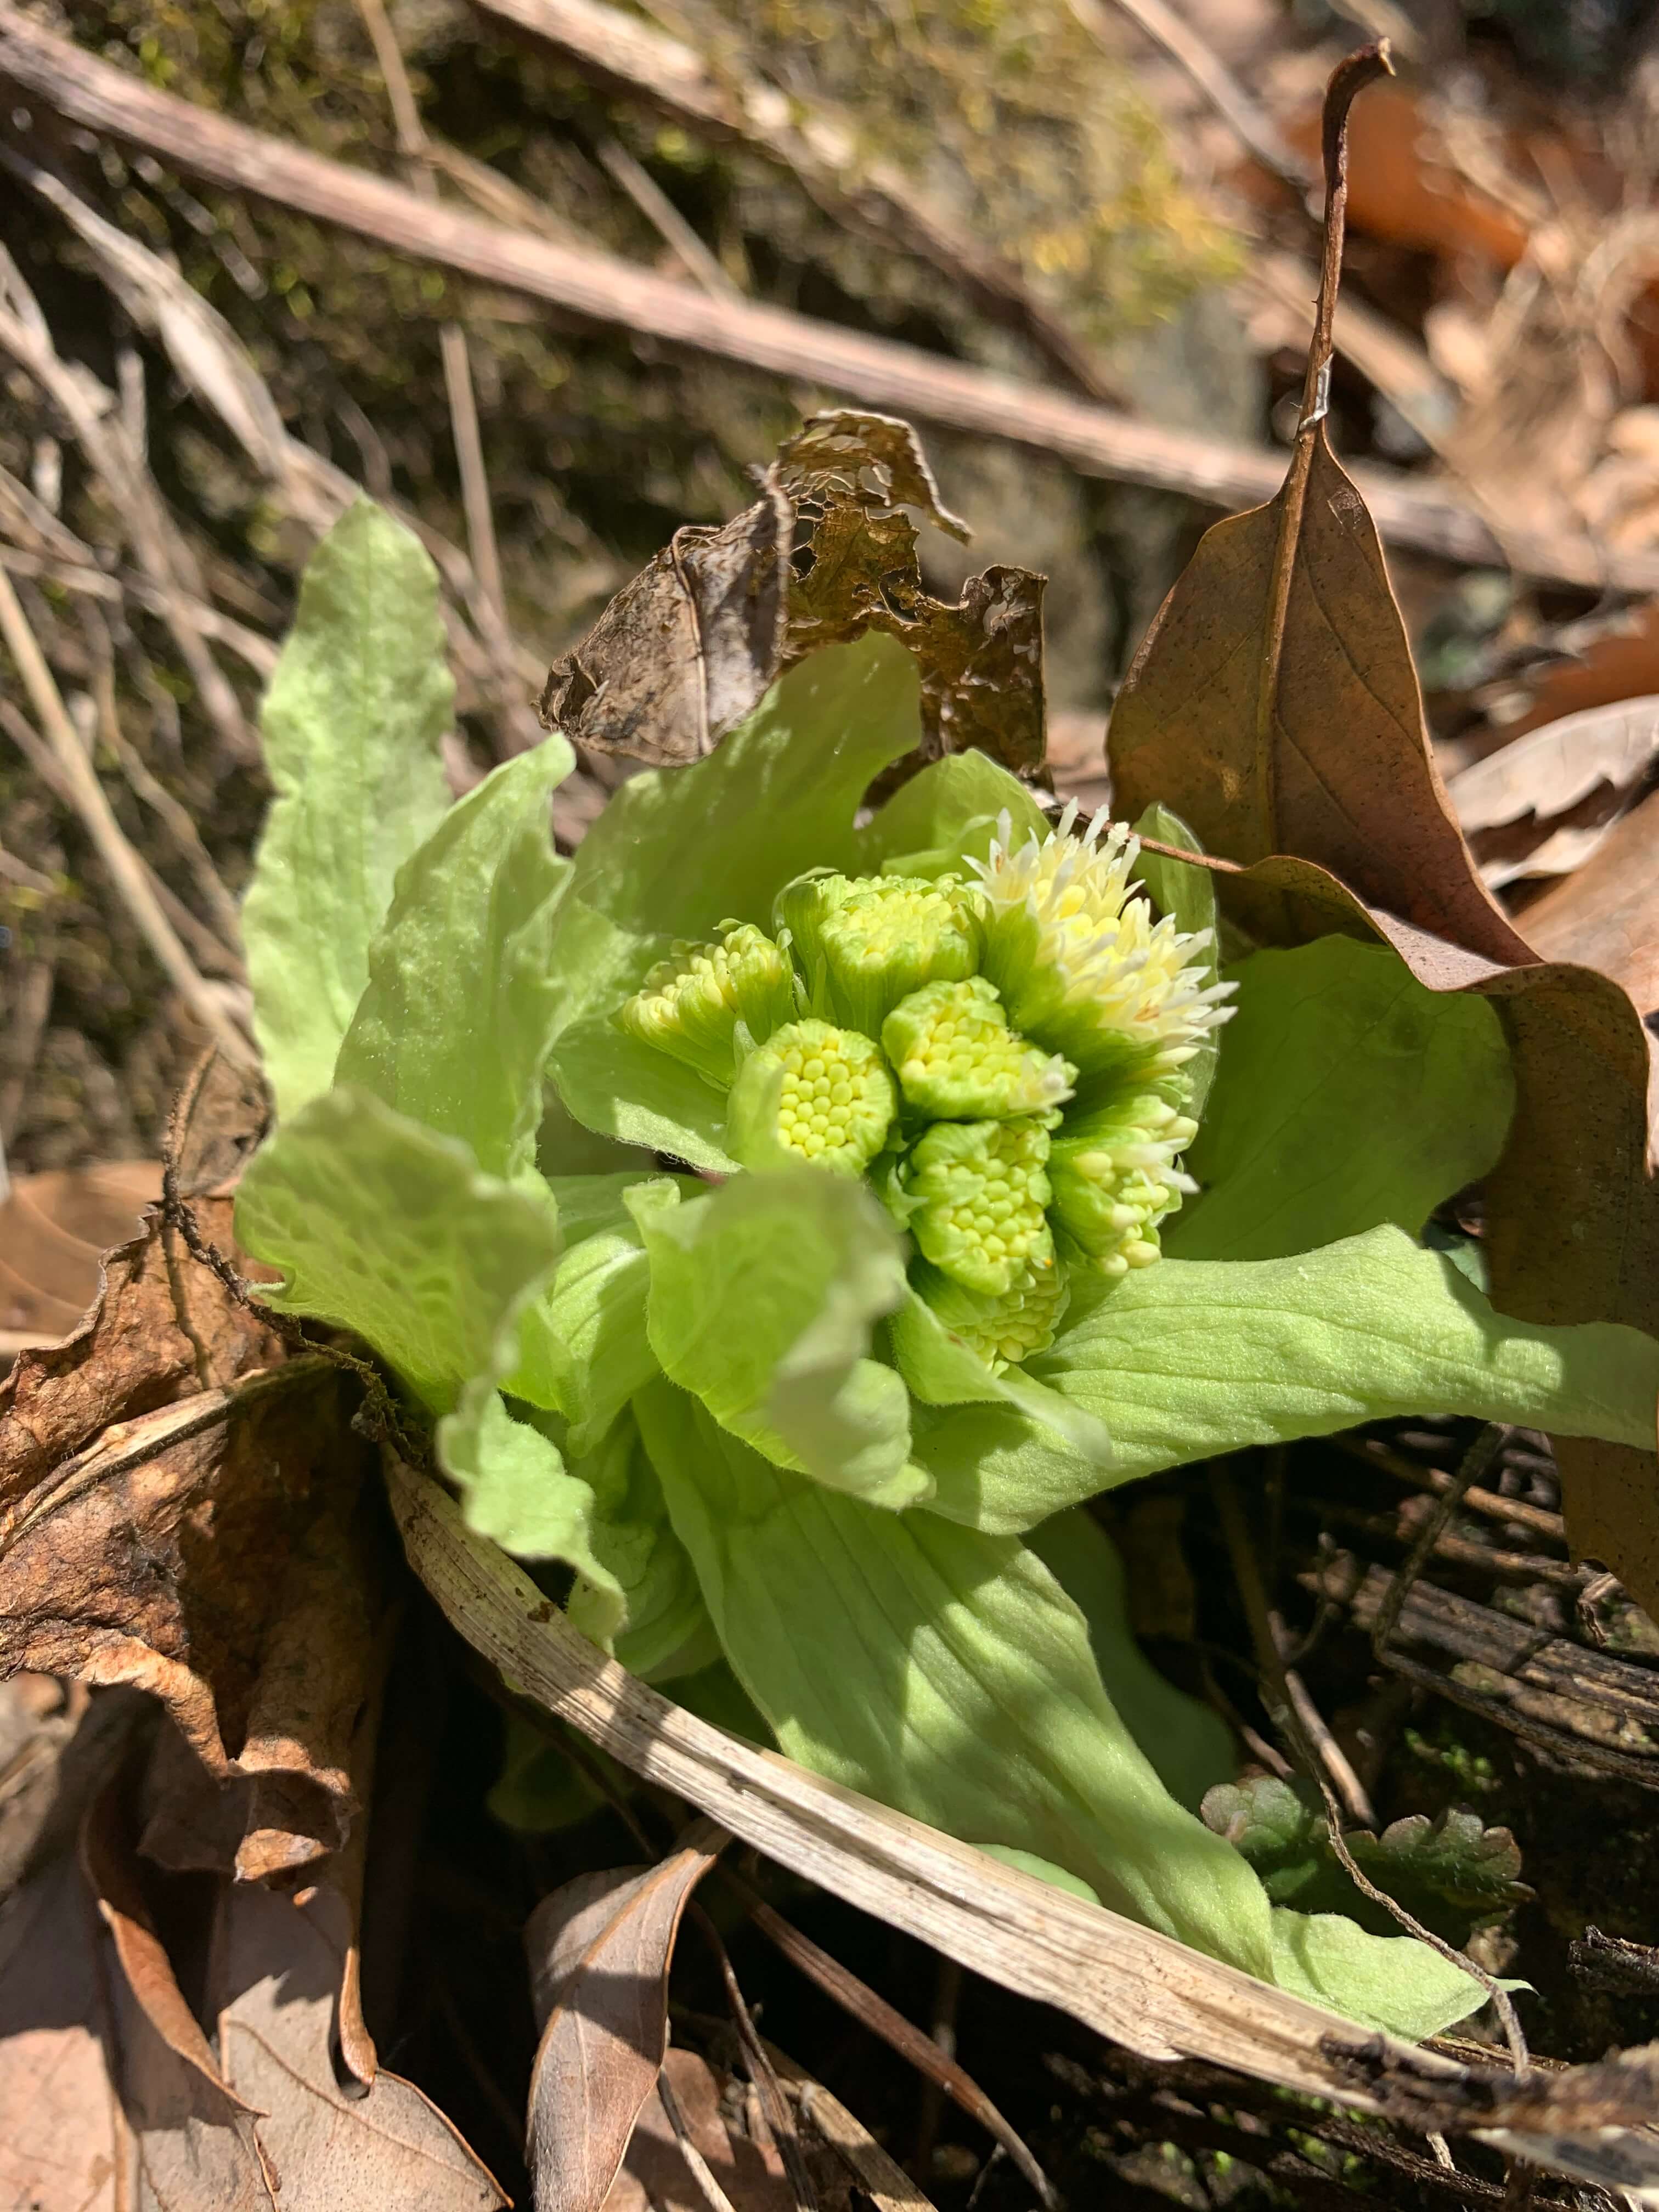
1082	966
864	943
976	1192
957	1059
709	1005
1114	1178
1003	1330
813	1094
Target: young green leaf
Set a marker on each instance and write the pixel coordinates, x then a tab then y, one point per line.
947	811
1191	1357
458	1019
979	1708
383	1228
1348	1095
359	701
515	1487
764	1296
677	851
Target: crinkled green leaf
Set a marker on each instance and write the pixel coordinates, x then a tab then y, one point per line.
359	701
583	1350
947	812
948	1674
1195	1357
1454	1857
942	1370
1348	1094
1191	1748
516	1489
762	1297
387	1229
1188	894
456	1024
677	851
1280	1827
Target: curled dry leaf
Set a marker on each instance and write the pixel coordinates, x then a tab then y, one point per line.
687	649
1574	775
599	1950
1275	706
1127	1982
1607	915
54	1229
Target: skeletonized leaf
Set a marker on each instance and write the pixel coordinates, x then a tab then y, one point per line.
599	1950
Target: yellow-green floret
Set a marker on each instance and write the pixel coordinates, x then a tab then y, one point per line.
1114	1178
957	1059
813	1093
709	1005
976	1192
1003	1330
865	942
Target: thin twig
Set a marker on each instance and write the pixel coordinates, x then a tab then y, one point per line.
1480	1455
126	872
660	212
759	2066
702	2172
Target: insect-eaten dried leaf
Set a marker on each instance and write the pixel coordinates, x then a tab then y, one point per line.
182	1509
600	1950
687	649
1275	706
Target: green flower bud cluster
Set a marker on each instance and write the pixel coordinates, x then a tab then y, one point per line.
1002	1059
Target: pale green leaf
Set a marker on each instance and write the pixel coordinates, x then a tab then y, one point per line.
628	1092
1189	1358
948	1674
667	1633
359	701
947	812
1390	1982
385	1229
679	850
763	1295
941	1369
456	1024
515	1488
1191	1747
1348	1094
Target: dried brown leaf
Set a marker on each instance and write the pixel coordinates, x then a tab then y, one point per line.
182	1509
1274	704
599	1951
62	2139
1607	915
54	1229
687	649
655	2174
280	1966
1549	772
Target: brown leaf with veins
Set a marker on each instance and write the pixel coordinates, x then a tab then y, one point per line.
1274	703
599	1952
655	2176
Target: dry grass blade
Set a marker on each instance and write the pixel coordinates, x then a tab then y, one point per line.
601	1949
1137	1987
126	871
612	292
